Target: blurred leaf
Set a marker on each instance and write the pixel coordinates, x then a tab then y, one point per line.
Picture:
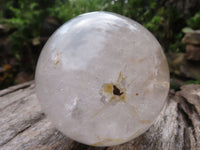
187	29
193	81
36	41
194	22
7	67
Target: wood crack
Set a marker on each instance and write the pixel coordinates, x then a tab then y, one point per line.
15	88
187	119
28	124
187	110
9	140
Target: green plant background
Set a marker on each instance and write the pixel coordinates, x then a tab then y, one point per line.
25	19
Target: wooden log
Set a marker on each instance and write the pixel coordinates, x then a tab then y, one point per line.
23	125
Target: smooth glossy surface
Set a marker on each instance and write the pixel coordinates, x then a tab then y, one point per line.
102	79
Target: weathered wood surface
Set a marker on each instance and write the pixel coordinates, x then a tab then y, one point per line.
23	126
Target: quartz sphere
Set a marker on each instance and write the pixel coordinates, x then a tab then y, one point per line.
102	79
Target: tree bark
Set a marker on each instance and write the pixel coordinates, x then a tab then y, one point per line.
23	125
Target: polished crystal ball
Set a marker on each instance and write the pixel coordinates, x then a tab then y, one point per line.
102	79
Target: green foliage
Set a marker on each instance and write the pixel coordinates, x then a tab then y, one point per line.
193	81
194	22
174	86
71	8
187	30
26	18
163	22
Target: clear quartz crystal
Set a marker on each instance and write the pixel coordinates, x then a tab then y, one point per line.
102	79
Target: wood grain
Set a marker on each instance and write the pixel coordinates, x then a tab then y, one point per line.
23	125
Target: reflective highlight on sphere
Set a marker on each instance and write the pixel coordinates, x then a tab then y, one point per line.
102	79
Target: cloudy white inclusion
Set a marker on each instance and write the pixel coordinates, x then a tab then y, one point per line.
88	39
